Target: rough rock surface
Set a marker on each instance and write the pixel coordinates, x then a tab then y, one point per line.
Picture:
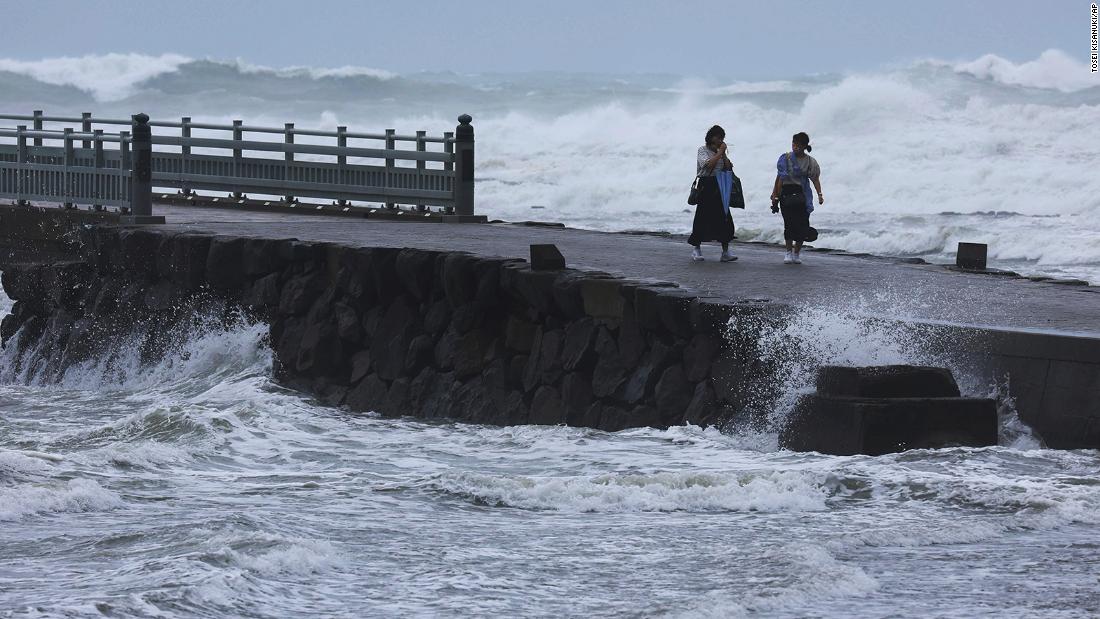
400	331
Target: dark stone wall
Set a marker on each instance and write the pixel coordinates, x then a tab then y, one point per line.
412	332
447	334
37	234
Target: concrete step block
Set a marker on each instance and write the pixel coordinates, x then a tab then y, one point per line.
887	381
847	426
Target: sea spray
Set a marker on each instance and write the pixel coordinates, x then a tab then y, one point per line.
868	329
914	158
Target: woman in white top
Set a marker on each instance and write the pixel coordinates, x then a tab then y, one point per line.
712	219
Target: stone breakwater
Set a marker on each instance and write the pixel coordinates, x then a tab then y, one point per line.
433	334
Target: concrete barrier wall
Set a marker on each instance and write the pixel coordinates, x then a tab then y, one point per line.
449	334
404	331
1054	380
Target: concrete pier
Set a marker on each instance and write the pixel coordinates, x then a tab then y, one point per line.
682	363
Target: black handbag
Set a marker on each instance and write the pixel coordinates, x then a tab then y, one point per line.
791	196
693	195
737	196
811	234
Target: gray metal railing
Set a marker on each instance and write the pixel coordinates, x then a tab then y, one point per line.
236	165
91	174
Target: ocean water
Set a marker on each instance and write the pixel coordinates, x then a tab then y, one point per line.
198	487
915	158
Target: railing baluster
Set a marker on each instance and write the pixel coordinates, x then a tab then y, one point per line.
449	148
86	126
69	162
119	188
288	158
185	152
391	144
98	176
421	146
342	160
238	135
37	126
21	159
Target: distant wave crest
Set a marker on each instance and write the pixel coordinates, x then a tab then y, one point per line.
1053	69
114	76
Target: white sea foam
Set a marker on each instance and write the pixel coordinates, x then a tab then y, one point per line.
867	330
315	72
298	557
23	464
5	301
899	147
212	353
660	492
77	495
109	77
811	575
1053	69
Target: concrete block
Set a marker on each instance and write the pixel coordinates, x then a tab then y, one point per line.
971	256
546	257
848	426
889	381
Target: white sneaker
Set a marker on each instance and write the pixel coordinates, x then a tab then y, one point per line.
797	259
788	258
697	255
727	256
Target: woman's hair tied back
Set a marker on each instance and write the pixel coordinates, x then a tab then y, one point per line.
803	139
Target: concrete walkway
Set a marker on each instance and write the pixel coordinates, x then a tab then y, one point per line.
872	286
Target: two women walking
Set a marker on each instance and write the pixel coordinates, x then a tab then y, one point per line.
791	196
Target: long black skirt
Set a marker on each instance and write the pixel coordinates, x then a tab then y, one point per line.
796	219
712	223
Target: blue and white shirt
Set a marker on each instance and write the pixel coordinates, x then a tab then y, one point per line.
800	173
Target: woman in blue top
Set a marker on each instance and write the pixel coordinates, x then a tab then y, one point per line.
796	170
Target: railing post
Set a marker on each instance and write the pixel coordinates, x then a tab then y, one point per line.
391	144
288	158
70	161
37	126
185	152
86	126
421	146
342	160
98	162
464	166
21	159
124	150
125	161
141	172
238	135
449	148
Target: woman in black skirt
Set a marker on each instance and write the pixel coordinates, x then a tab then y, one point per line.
713	221
791	195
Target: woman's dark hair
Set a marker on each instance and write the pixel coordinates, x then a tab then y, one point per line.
714	131
802	138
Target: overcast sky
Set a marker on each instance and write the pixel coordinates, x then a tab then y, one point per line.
749	39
